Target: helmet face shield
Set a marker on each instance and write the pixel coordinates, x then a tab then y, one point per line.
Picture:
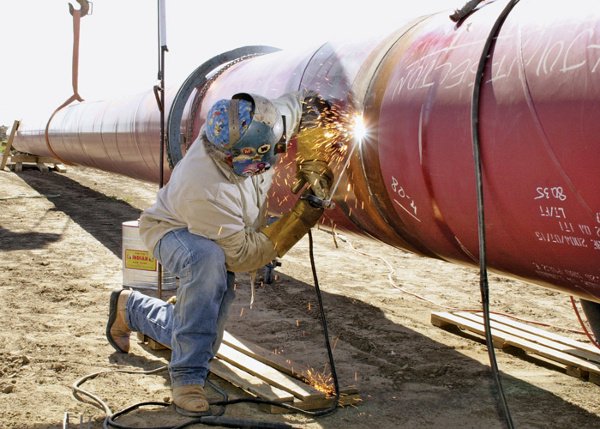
249	130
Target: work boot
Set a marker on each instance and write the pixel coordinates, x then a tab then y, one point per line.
190	400
117	330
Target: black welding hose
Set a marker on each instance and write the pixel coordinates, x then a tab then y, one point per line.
211	420
483	277
325	329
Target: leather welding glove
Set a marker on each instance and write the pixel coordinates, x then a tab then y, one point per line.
292	226
315	147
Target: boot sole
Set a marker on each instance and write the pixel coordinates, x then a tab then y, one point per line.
187	413
112	316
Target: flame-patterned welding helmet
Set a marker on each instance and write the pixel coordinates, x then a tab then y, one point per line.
249	130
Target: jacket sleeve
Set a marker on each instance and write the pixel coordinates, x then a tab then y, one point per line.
247	250
290	106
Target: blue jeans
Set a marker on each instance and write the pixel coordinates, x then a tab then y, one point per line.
193	328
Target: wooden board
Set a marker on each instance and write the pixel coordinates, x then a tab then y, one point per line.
263	355
248	382
579	359
266	375
269	374
348	397
9	143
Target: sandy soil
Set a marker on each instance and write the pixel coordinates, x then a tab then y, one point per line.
60	236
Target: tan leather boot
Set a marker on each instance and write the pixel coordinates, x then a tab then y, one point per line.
190	400
117	330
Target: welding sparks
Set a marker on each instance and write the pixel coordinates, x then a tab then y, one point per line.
335	341
321	381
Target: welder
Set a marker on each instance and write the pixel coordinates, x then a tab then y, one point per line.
209	222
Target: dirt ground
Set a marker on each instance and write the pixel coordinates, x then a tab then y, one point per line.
60	236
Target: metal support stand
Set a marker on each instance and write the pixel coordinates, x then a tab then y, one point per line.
159	93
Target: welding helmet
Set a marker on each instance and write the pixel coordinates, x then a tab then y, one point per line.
249	130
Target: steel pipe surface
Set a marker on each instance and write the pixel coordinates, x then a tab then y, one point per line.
411	182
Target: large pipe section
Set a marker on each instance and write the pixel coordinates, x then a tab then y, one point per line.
411	182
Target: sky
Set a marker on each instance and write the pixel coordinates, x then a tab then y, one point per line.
119	42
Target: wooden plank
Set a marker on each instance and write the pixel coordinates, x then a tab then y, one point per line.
152	344
262	355
155	345
519	342
348	397
42	167
577	372
60	168
248	382
24	157
594	378
9	144
296	387
594	352
543	340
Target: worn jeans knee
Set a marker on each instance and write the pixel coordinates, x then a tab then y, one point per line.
194	326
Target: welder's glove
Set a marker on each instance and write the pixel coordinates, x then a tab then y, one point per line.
292	226
317	175
316	143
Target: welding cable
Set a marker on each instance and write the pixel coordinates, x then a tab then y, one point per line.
483	277
336	385
216	419
95	400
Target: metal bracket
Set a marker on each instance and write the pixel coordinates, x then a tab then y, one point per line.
465	11
198	79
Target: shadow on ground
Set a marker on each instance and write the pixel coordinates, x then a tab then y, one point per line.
422	384
10	240
100	215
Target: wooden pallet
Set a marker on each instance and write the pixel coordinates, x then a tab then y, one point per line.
265	375
578	359
15	162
